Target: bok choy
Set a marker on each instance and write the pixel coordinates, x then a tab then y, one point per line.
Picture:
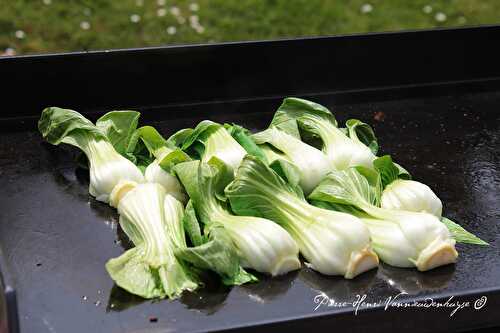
211	139
260	244
311	163
353	146
152	219
333	243
410	195
166	156
400	238
107	167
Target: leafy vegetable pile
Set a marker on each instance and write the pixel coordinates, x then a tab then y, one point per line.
222	199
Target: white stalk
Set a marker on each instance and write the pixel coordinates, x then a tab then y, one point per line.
107	168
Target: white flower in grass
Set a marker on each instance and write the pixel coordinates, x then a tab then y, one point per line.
20	34
366	8
440	17
171	30
427	9
161	12
194	7
85	25
194	19
175	11
134	18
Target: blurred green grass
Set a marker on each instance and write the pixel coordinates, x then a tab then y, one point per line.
41	26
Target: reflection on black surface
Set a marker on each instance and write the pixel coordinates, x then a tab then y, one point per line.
336	287
69	179
412	281
120	299
209	298
269	288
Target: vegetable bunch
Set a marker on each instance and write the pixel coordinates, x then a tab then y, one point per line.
219	198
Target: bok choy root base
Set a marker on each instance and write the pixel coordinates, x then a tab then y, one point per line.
219	198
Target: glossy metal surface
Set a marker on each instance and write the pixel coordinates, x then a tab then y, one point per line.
56	238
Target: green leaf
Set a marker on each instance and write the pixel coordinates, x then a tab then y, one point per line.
290	173
178	138
175	157
217	254
292	109
243	137
389	171
67	126
255	186
362	132
460	234
167	154
192	226
154	141
347	187
119	127
133	274
200	133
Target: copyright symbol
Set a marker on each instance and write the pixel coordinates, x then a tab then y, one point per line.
480	302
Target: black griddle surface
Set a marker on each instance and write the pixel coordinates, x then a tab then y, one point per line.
56	238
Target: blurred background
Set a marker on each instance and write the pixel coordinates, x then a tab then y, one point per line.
46	26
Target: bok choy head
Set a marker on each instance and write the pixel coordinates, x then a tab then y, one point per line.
311	163
401	193
107	167
353	146
152	219
259	243
166	155
333	243
211	139
400	238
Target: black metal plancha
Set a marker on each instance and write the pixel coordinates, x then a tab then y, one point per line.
432	97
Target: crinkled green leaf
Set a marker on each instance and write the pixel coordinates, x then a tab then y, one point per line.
153	140
293	109
178	138
347	187
119	127
360	131
200	133
218	255
135	275
389	171
192	226
289	173
67	126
